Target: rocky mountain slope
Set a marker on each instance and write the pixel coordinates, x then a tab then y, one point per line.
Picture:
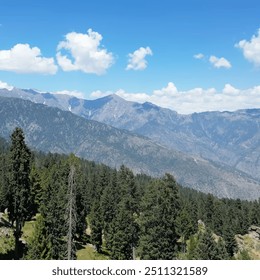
231	138
54	130
250	243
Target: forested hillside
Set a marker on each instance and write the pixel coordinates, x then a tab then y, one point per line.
230	138
56	131
70	203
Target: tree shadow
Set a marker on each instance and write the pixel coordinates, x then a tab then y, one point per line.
8	256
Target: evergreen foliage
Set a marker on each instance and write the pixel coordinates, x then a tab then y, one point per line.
159	210
3	181
71	215
124	233
184	227
208	248
130	216
96	226
19	185
39	247
243	255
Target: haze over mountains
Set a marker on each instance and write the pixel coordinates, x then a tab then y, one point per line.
229	138
232	138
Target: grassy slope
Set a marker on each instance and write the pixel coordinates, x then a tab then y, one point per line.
85	253
251	245
89	253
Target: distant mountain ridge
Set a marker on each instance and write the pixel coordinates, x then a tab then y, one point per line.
231	138
53	130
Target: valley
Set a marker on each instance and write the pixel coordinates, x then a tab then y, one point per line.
52	130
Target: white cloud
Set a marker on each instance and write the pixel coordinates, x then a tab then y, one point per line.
170	90
251	49
99	93
24	59
75	93
196	99
4	85
136	97
137	59
219	62
87	54
228	89
198	56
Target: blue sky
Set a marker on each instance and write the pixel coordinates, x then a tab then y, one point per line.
188	55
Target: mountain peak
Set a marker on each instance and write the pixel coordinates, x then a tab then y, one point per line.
53	130
149	105
32	91
115	97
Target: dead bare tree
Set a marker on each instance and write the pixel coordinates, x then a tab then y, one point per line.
71	214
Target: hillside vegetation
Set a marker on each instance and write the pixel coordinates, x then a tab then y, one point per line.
63	207
229	138
52	130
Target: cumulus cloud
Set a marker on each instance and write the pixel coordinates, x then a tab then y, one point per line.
251	49
99	93
219	62
75	93
215	61
198	56
196	99
137	59
4	85
169	90
228	89
85	53
24	59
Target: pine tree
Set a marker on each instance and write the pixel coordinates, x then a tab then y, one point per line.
222	253
99	184
71	215
255	213
125	229
19	185
218	216
184	226
3	182
53	209
38	245
109	204
208	211
96	226
36	191
243	255
61	209
230	241
127	188
82	194
206	247
159	210
192	244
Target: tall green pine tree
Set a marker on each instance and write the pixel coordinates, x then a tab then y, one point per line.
19	203
159	209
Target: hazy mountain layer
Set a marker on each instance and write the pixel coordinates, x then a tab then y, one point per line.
54	130
232	138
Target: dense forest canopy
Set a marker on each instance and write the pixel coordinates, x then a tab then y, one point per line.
74	202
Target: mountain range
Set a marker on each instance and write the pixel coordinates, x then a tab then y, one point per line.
217	152
230	138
